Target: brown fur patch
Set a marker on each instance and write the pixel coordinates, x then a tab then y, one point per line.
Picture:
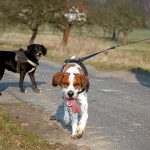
65	81
85	82
67	67
57	78
77	82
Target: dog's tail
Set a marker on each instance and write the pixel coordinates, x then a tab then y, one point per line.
73	57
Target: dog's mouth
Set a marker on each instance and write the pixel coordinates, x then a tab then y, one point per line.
38	56
72	102
69	101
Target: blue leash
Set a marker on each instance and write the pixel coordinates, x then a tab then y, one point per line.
92	55
108	49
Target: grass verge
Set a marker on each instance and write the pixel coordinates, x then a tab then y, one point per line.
14	137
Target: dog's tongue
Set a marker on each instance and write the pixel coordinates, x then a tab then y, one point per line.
72	103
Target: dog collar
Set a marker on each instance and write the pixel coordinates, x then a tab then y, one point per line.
82	90
32	63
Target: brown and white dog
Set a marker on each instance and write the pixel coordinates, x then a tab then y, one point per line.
74	83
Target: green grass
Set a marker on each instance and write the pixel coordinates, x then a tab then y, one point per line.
14	137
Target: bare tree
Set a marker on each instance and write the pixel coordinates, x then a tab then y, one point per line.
33	14
69	15
118	16
72	18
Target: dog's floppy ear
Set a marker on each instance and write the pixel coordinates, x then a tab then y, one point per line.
85	82
57	78
30	47
44	50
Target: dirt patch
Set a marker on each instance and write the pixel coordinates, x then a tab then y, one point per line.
37	121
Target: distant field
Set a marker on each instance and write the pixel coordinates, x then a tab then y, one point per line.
127	57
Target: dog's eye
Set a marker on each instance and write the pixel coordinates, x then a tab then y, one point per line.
76	85
65	84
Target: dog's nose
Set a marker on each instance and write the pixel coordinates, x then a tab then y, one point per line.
70	93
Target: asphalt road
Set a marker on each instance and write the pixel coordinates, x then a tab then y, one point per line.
119	105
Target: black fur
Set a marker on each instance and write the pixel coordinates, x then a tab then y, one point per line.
8	61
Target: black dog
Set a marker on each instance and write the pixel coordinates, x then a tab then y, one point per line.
9	60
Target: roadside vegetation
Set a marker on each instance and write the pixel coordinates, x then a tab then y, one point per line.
14	137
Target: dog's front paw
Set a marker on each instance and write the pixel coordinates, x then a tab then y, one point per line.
23	91
80	131
37	91
76	136
80	134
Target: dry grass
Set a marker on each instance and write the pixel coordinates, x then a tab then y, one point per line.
127	57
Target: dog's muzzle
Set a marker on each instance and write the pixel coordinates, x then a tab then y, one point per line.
39	55
70	94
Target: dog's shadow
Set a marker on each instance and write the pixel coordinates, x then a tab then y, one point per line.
6	85
60	116
143	76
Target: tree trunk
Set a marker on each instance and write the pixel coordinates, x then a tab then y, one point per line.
34	34
66	34
114	35
125	35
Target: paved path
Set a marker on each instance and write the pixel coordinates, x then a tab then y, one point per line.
119	106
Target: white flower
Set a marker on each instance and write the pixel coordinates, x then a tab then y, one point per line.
74	14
